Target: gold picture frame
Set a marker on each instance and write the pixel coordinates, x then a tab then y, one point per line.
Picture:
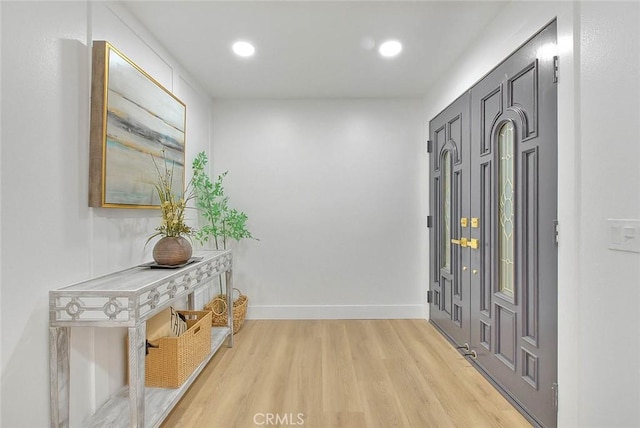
134	119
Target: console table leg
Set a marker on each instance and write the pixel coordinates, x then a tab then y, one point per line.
191	302
137	350
59	372
229	282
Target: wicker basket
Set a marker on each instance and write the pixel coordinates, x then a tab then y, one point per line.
218	308
175	358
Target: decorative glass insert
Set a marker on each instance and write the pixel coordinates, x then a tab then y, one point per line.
446	208
506	209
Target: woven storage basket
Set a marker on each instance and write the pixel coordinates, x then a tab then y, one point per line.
218	308
175	358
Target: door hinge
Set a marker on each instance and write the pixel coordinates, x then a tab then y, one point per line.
429	221
429	299
556	61
429	146
554	396
556	232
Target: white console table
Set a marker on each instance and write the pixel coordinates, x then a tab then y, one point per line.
128	299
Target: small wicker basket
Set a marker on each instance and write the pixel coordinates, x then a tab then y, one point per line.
175	358
218	308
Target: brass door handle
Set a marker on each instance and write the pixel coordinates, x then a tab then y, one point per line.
474	243
462	242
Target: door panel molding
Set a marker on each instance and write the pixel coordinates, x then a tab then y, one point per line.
485	335
530	229
505	327
529	368
523	91
486	194
455	135
490	111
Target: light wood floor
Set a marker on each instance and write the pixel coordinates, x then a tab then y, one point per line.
334	373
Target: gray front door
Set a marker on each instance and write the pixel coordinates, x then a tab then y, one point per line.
514	212
500	247
449	186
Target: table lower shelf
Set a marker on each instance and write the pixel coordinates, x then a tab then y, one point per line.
158	401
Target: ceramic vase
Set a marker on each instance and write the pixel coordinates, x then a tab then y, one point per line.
172	251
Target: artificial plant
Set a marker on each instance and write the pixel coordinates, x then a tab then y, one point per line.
222	223
172	206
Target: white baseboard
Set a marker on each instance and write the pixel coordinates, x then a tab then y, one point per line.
313	312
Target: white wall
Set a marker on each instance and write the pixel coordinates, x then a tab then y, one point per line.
599	178
44	226
333	190
609	289
1	365
50	238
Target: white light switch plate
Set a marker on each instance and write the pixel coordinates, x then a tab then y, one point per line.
624	235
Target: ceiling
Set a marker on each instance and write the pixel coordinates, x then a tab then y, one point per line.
315	49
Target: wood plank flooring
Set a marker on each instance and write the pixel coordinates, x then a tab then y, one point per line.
341	373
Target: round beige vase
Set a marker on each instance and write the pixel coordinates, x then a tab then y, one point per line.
172	251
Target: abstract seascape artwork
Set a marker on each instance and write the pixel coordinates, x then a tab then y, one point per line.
134	121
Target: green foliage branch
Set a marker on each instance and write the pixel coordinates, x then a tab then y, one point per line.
222	222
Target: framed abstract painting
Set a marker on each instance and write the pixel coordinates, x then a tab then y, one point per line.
136	124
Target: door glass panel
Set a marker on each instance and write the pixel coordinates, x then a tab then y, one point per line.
446	208
506	214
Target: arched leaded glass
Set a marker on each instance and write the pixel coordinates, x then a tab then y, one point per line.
446	210
506	209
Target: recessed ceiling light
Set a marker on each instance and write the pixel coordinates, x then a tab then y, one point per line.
243	49
390	48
